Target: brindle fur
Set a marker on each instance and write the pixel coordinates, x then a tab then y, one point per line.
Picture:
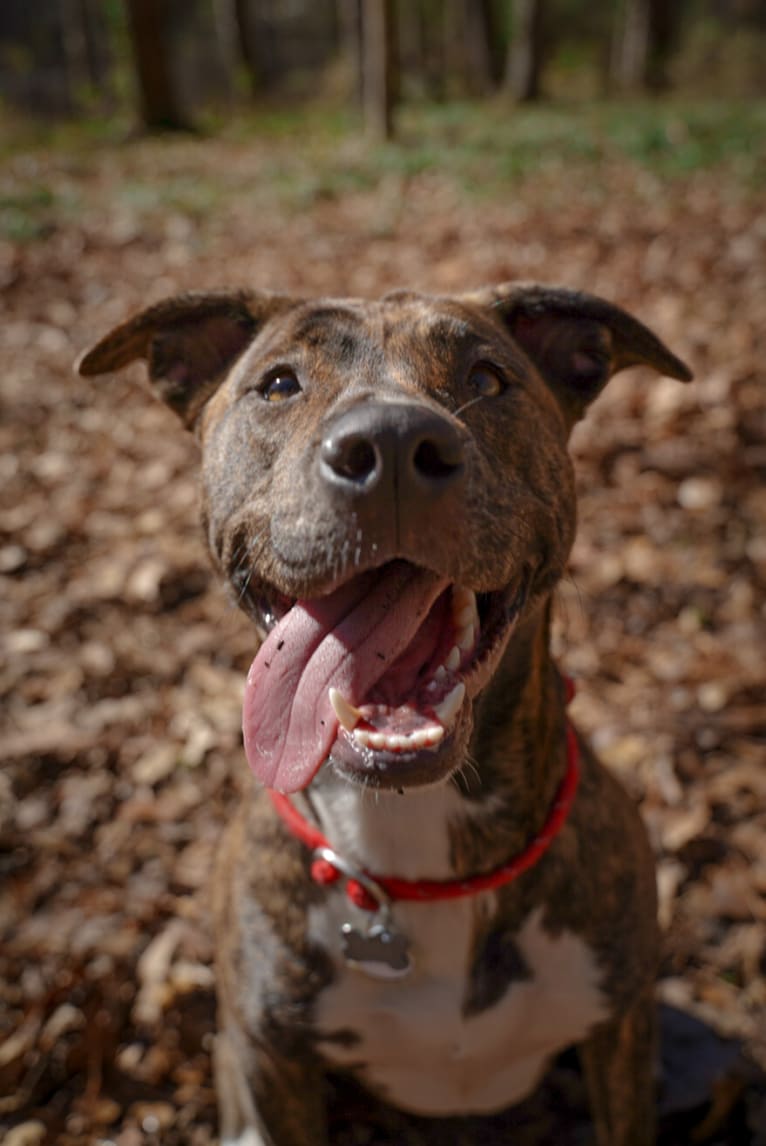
270	521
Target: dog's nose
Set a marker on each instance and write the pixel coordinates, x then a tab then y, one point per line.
406	448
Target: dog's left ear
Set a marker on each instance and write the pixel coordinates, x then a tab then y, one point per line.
189	342
576	341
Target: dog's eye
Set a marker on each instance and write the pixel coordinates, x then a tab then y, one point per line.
486	381
279	385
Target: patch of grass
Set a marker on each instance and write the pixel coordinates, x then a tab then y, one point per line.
485	147
25	212
667	138
188	196
675	139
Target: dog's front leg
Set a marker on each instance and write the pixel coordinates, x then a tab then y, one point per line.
618	1060
265	1100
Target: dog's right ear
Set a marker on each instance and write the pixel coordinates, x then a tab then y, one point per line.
189	342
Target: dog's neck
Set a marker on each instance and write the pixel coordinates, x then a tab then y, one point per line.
481	817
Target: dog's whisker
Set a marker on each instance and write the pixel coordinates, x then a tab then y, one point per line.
467	405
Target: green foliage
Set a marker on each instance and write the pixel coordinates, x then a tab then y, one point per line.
484	147
24	214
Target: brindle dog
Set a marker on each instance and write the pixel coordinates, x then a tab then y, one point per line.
388	492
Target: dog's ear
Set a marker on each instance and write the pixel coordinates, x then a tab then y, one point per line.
189	343
576	341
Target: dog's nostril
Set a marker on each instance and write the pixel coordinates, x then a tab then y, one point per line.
431	460
355	460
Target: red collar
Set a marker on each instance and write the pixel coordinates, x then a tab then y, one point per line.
328	867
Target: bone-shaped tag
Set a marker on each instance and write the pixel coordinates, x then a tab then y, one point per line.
381	952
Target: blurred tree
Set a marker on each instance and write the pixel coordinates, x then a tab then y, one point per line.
526	49
379	67
470	57
86	50
420	65
243	26
159	99
630	45
350	22
199	42
34	69
282	48
645	34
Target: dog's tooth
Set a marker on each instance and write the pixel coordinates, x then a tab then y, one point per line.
347	715
453	659
439	675
465	639
462	599
408	741
450	706
465	617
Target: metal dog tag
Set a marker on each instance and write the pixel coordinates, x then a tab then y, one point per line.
381	953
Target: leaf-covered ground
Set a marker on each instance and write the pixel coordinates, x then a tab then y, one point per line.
123	662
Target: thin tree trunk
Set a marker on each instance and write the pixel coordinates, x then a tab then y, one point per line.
630	53
379	67
350	22
479	42
664	30
227	36
244	27
526	51
159	102
466	38
98	52
75	47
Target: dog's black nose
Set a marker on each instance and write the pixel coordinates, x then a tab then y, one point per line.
403	448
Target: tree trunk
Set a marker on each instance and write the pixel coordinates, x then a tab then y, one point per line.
75	46
35	32
378	67
86	50
244	30
525	50
630	46
99	53
228	40
159	102
468	46
350	24
664	34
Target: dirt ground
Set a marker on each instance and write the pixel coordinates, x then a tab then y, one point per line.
123	661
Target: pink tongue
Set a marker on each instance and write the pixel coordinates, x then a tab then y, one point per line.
344	641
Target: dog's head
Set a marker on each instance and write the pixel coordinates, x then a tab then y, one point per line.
388	492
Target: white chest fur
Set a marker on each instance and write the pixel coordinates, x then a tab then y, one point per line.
414	1045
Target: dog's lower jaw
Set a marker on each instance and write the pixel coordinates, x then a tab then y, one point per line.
403	771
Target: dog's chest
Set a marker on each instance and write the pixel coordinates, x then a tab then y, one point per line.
425	1042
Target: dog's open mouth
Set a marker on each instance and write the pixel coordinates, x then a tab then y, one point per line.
378	671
